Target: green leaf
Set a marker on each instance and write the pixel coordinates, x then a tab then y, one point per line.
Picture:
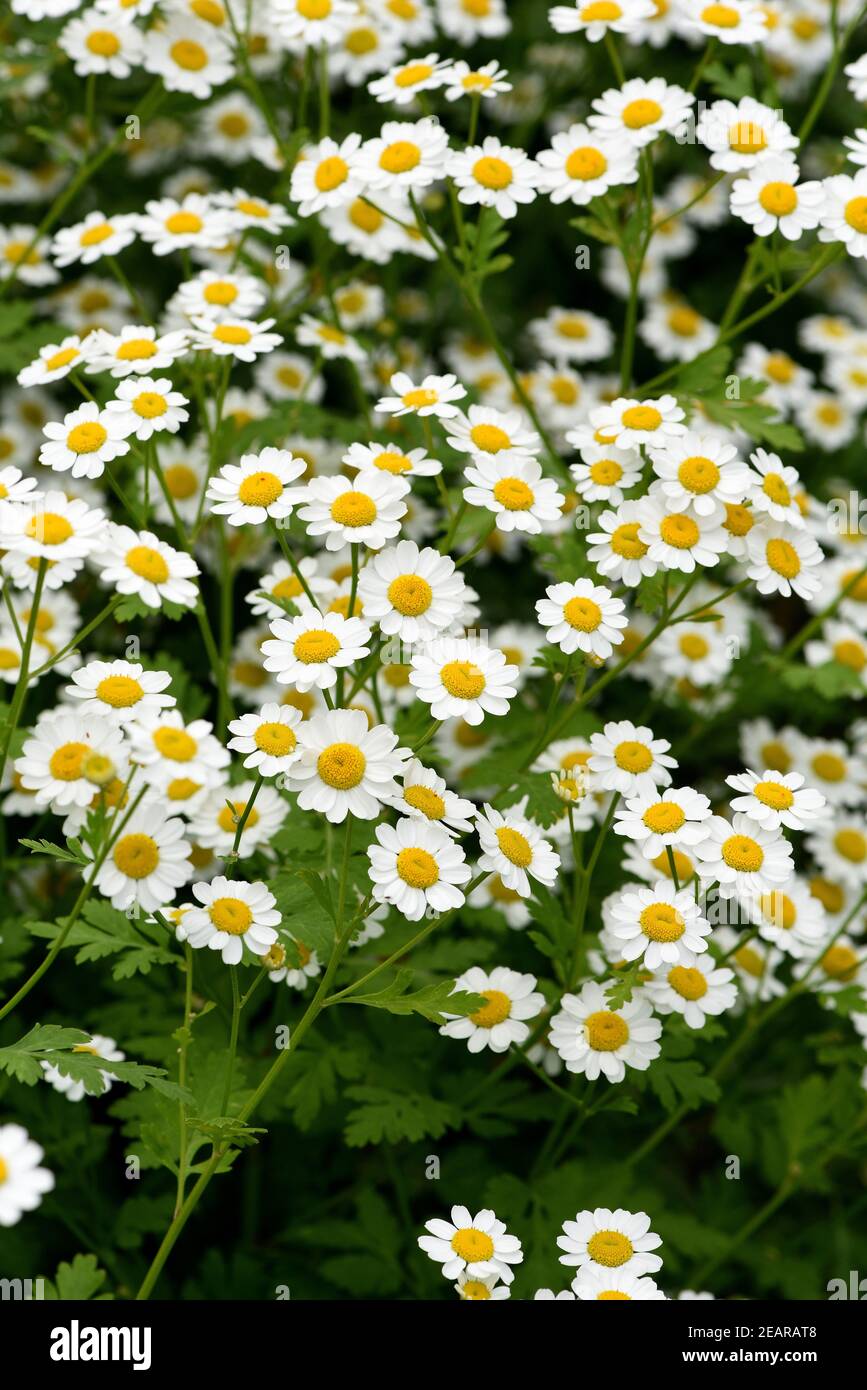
384	1115
57	1046
681	1083
73	855
432	1002
76	1281
106	932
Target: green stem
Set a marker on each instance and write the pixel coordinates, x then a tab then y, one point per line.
20	692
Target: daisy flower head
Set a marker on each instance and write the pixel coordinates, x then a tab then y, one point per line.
478	1246
463	678
606	473
425	795
147	406
487	82
776	490
24	1182
493	175
840	642
95	237
839	847
411	593
572	335
791	918
388	458
346	767
98	1046
295	977
195	223
784	559
149	860
119	690
416	866
402	84
701	471
435	395
740	134
54	361
510	1000
732	22
675	330
99	44
626	758
281	585
267	739
84	442
680	538
841	966
479	1290
215	821
844	217
26	254
662	925
53	527
331	342
257	488
492	435
328	175
304	24
189	56
179	759
14	487
657	821
515	848
746	859
140	563
769	198
617	551
405	155
69	757
830	766
607	1240
627	423
366	511
310	649
776	798
244	339
247	211
640	110
583	162
214	293
582	616
596	18
595	1285
696	992
595	1040
230	915
137	348
514	489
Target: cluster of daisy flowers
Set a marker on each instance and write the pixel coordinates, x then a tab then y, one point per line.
121	478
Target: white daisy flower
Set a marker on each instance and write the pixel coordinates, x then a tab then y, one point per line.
27	254
410	593
435	395
189	56
416	866
696	991
694	652
330	341
572	335
367	511
55	360
87	439
595	1040
69	757
660	820
346	767
640	110
138	562
244	339
840	642
675	331
776	492
405	155
148	862
827	419
135	349
626	758
582	616
52	526
14	487
478	1290
515	848
179	760
196	222
777	798
308	968
784	560
594	19
515	491
617	551
119	690
281	585
425	795
627	423
328	175
257	488
831	767
607	1240
844	216
214	823
96	236
267	739
510	1000
492	435
606	473
733	22
487	82
595	1285
739	135
493	175
307	24
770	198
310	649
744	858
661	924
402	84
791	919
701	470
232	915
463	678
23	1183
680	538
212	294
841	966
582	163
146	406
248	211
388	458
476	1245
98	1046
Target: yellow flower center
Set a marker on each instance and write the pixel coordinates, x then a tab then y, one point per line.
221	292
209	11
779	199
661	922
642	417
832	897
400	157
606	472
745	137
783	558
739	520
679	531
779	909
743	854
86	438
102	230
491	172
341	765
149	405
625	542
252	207
189	55
586	163
850	653
231	333
353	509
231	915
698	474
473	1290
515	846
463	680
392	462
135	348
693	647
490	439
582	614
851	845
182	788
229	817
136	855
664	818
840	963
610	1248
856	214
497	1009
773	794
361	41
66	762
688	982
9	660
417	867
119	691
104	44
276	739
600	10
641	113
61	359
410	595
315	646
175	744
313	9
684	322
633	757
514	494
331	173
721	16
425	800
260	489
181	481
606	1031
472	1245
147	563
